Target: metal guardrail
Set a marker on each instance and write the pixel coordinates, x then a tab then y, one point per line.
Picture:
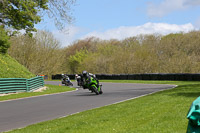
35	83
8	85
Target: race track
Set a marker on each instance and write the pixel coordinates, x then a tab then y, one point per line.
22	112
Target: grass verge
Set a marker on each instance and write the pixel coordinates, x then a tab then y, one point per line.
162	112
10	68
51	89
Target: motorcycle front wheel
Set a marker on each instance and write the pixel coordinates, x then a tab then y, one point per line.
95	90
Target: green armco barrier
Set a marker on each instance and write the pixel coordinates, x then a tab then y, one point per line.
194	117
35	83
8	85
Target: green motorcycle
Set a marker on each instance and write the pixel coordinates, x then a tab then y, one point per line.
93	85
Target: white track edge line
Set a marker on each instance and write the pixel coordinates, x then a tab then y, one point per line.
38	96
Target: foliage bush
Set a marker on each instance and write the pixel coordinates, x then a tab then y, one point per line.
4	41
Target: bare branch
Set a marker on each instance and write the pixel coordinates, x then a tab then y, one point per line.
61	12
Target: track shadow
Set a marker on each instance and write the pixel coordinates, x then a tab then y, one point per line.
188	94
192	90
85	94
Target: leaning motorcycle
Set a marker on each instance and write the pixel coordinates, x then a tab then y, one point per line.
79	81
92	85
67	82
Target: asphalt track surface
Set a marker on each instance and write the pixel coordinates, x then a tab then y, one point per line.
23	112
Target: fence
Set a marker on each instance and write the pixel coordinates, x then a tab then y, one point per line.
8	85
151	76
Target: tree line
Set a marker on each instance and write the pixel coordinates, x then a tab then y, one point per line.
173	53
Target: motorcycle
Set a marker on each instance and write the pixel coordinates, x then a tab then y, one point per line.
79	81
67	82
92	85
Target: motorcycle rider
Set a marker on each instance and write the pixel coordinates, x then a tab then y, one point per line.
87	78
78	79
65	78
76	75
91	82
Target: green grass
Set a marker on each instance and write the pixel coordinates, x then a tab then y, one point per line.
10	68
51	89
162	112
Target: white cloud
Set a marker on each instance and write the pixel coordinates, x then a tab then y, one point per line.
168	6
148	28
67	36
122	32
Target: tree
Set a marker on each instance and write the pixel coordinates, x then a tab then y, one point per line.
76	60
41	54
24	14
20	14
60	12
4	41
50	57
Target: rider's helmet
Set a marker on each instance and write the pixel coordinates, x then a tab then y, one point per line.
85	73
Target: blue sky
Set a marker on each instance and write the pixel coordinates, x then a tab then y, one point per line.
118	19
